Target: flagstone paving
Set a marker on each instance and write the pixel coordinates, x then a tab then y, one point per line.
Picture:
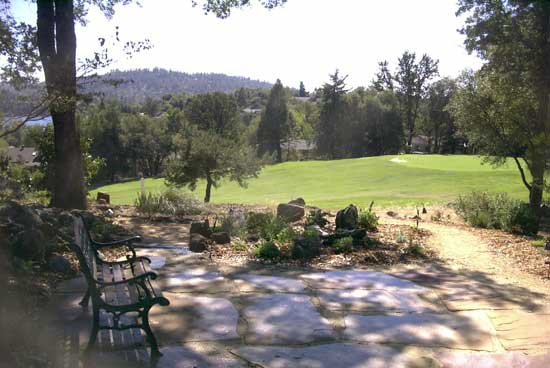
402	317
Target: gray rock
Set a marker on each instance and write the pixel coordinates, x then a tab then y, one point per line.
14	212
30	244
59	264
290	212
197	243
221	238
103	197
202	228
347	218
298	202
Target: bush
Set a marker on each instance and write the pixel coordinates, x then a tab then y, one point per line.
497	211
343	245
239	245
367	220
307	246
317	217
267	250
286	235
265	225
171	202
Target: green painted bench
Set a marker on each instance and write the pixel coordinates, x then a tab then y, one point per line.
123	290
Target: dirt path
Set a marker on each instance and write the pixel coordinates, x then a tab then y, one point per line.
463	249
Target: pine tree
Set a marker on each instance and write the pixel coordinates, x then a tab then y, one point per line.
273	128
329	138
302	92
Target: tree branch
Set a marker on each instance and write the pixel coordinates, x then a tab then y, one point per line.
520	168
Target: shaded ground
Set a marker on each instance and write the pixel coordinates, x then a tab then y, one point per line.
470	309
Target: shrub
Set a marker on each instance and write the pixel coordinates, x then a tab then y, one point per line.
307	246
497	211
265	225
416	249
400	238
171	203
267	250
343	245
286	235
316	217
239	245
368	220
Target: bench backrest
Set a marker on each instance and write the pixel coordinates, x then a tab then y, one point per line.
85	251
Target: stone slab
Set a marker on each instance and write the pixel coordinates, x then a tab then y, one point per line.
325	356
373	300
285	319
249	283
519	330
359	280
198	279
464	330
75	285
189	356
194	318
498	360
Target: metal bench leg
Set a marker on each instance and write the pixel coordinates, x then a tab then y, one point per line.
95	330
155	352
84	301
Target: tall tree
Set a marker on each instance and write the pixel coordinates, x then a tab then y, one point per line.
438	122
513	37
410	82
274	125
215	146
54	40
302	91
331	119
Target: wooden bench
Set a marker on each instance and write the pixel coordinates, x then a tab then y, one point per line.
125	290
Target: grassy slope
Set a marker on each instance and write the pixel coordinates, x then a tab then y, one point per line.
333	184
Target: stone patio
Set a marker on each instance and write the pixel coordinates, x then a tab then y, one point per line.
419	316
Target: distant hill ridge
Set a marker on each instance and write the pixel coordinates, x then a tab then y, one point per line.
157	82
137	86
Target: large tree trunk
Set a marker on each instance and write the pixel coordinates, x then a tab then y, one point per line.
57	46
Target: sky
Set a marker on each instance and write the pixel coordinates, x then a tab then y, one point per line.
305	40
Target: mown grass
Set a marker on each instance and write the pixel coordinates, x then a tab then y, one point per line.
334	184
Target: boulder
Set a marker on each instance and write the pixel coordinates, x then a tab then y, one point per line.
14	212
346	219
197	243
59	264
30	245
290	212
298	202
221	237
104	198
202	228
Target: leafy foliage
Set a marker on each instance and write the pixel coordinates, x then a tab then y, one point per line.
306	246
267	250
343	245
171	203
367	220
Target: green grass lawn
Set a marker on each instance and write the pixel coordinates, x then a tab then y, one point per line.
334	184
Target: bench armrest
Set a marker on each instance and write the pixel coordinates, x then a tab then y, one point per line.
129	260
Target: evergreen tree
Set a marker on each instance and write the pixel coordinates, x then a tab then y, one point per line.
274	127
302	92
331	120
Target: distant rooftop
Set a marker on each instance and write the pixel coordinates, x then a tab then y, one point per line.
22	155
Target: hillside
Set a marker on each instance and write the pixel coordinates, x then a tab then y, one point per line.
388	180
142	83
136	86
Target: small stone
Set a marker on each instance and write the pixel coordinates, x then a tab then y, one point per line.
221	238
290	212
392	214
197	243
59	264
30	245
202	228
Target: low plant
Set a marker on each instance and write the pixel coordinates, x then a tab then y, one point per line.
416	249
437	216
286	235
497	211
239	245
400	238
267	250
368	220
343	245
316	217
171	202
307	246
